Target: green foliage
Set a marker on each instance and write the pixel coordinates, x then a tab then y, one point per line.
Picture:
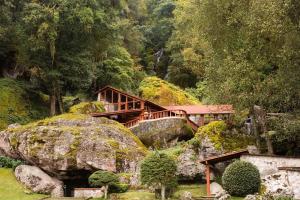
241	178
19	104
240	59
284	198
9	162
223	138
159	169
119	188
164	93
284	131
87	107
103	178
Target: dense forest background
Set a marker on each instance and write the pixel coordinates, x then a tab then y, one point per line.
240	52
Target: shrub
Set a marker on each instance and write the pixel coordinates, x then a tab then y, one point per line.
284	198
9	162
158	169
103	178
241	178
118	188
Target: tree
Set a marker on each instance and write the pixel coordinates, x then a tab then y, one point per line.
103	178
158	169
246	54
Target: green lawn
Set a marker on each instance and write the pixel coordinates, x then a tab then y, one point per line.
11	189
197	190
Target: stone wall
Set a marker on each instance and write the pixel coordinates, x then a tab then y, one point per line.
88	192
162	132
294	181
268	165
278	173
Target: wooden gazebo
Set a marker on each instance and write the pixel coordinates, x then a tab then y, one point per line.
211	161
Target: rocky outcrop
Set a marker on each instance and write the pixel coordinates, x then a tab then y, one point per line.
189	166
164	132
38	181
69	145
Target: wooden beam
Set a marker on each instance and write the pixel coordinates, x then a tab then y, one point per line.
208	179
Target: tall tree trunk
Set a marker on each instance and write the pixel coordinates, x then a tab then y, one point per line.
52	104
60	101
261	120
256	135
163	192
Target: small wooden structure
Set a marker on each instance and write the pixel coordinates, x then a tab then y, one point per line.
211	161
203	114
130	110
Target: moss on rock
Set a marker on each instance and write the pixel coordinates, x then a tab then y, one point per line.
164	93
222	138
76	142
87	107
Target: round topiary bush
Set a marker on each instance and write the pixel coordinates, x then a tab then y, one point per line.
241	178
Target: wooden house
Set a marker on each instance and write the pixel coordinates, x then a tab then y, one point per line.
130	110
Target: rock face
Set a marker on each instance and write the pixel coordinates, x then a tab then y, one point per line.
278	184
189	166
38	181
162	132
70	144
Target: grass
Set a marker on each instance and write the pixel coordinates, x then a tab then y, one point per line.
197	190
11	189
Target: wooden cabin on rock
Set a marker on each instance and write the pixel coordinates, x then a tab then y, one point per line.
130	110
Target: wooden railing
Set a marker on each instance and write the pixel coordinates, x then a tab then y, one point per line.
162	114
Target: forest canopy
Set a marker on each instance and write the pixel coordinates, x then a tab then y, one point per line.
236	52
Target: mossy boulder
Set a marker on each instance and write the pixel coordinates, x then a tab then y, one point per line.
164	93
223	139
19	104
69	143
87	107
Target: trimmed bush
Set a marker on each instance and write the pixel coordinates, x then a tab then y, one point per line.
9	162
118	188
103	178
241	178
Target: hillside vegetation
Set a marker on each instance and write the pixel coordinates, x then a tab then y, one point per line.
164	93
19	104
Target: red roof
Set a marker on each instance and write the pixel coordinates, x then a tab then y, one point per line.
204	109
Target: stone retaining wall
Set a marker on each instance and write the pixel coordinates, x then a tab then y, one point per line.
272	167
268	165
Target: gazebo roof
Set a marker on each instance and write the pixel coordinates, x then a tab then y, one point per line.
224	157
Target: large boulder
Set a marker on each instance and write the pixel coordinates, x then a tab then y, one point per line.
74	144
38	181
163	132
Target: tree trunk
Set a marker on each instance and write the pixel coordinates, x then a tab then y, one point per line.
163	192
52	104
256	134
105	191
269	145
60	101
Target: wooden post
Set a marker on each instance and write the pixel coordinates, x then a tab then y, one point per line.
208	179
119	102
